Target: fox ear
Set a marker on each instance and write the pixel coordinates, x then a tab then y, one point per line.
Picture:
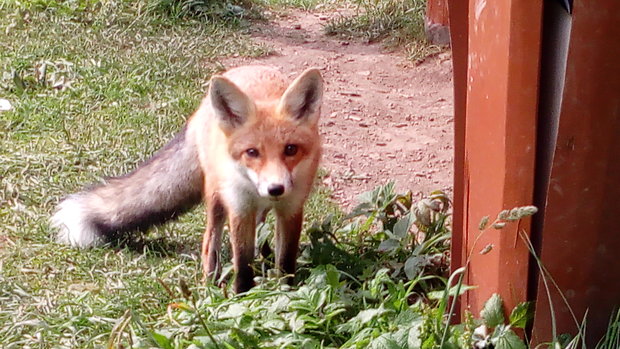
302	99
231	106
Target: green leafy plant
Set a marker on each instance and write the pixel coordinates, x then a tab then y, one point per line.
495	332
386	230
350	293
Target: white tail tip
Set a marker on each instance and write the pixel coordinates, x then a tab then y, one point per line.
74	225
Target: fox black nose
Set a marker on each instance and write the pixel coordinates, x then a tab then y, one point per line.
276	189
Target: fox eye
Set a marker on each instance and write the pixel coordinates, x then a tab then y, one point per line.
252	152
290	150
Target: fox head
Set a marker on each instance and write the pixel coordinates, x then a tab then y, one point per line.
276	140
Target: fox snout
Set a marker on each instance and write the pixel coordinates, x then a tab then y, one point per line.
274	188
271	185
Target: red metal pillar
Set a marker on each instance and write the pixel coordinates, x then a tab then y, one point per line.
498	143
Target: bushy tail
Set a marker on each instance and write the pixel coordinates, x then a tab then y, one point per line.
164	186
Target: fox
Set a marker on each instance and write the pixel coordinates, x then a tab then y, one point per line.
252	146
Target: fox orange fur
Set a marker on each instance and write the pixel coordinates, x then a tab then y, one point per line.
252	146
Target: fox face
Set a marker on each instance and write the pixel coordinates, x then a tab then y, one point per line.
274	141
272	155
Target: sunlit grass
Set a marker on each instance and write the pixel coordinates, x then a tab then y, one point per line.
95	88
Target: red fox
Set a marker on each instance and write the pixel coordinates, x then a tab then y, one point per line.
252	146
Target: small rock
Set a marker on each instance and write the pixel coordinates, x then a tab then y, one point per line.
5	105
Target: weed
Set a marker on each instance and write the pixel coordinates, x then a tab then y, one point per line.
611	339
299	4
398	23
204	10
351	293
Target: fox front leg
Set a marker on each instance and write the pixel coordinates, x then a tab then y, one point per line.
288	231
242	235
212	240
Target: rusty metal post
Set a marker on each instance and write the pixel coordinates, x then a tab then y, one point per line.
498	144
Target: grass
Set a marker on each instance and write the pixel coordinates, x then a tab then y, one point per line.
95	88
307	5
397	23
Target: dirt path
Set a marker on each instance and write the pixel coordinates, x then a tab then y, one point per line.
383	117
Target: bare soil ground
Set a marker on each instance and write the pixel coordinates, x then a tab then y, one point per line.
383	117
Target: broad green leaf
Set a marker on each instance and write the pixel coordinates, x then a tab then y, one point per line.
413	335
414	265
522	314
387	341
493	312
505	338
234	311
296	324
388	245
401	228
248	340
365	316
408	318
332	277
161	340
368	315
274	325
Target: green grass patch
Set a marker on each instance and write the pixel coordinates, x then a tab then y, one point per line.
306	5
95	87
398	23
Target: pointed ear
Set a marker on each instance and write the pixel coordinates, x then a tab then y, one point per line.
303	98
231	106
